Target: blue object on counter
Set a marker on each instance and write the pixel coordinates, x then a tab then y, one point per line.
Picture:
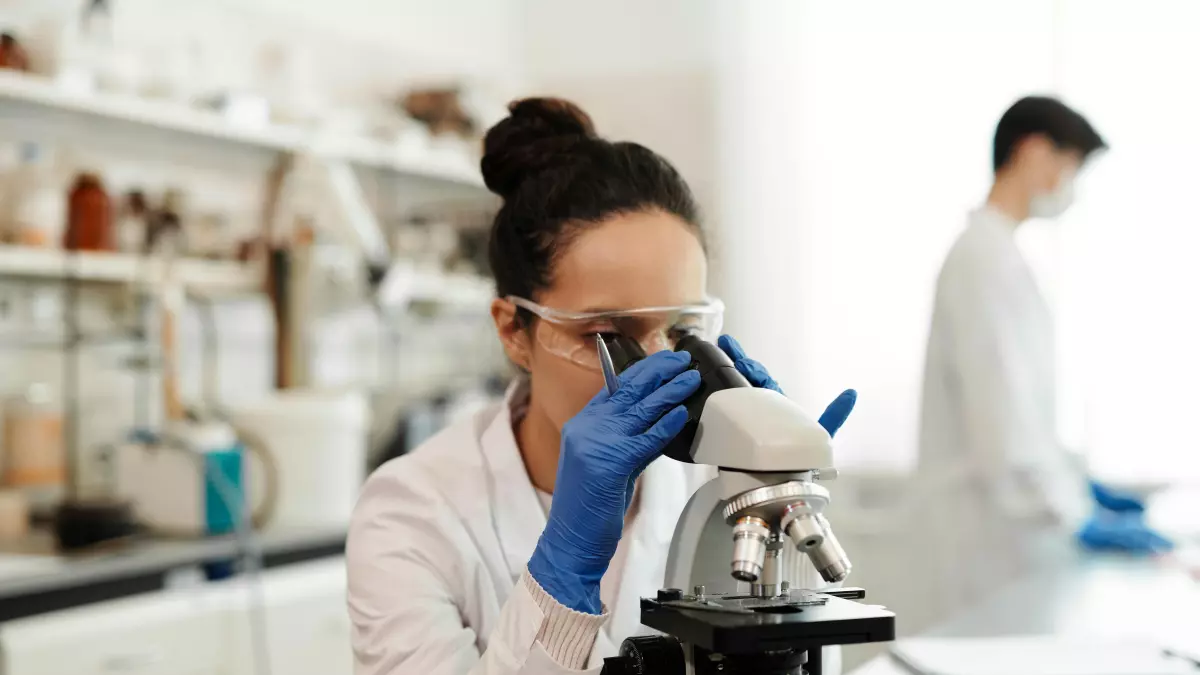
1115	500
224	501
1125	532
224	492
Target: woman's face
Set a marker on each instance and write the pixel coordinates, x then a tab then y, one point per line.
645	259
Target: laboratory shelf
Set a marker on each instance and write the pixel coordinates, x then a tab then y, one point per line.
44	94
458	290
405	283
444	167
162	115
123	268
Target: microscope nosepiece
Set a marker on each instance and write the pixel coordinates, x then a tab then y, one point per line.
750	536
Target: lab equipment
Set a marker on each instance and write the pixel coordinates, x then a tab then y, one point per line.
35	459
1115	500
317	442
606	366
734	530
569	335
192	481
1110	531
89	215
604	448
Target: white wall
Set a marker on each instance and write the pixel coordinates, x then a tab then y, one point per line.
1128	272
854	138
643	70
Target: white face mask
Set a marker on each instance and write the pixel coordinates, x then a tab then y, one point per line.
1052	204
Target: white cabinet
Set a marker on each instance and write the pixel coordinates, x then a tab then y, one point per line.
173	633
300	613
297	611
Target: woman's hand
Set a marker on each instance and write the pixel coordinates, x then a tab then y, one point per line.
834	416
604	449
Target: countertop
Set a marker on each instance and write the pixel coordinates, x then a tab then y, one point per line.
1109	596
35	579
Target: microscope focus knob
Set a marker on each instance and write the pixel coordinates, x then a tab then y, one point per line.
670	594
647	655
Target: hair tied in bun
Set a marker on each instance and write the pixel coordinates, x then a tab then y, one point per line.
538	134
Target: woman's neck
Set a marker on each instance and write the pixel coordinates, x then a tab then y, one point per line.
538	440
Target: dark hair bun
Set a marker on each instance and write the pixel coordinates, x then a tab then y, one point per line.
537	134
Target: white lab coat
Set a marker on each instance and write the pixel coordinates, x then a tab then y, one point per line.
998	492
440	537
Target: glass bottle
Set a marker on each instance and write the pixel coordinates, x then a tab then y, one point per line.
89	216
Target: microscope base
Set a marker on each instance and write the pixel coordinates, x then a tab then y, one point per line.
775	640
837	622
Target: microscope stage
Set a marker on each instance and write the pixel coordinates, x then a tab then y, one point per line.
835	622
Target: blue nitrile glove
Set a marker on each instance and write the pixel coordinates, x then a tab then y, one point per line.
1127	532
835	414
1115	500
604	449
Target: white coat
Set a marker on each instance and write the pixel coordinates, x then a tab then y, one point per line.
999	491
441	536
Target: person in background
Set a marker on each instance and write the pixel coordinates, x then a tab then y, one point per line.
521	540
1003	493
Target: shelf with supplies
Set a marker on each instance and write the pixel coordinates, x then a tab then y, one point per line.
453	168
122	268
404	284
462	291
163	115
43	93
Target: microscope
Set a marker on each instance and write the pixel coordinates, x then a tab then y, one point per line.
750	543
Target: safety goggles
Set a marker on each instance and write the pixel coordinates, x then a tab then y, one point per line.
571	335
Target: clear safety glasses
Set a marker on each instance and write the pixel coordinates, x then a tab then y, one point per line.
571	335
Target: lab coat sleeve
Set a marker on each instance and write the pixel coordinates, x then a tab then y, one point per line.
1012	439
405	569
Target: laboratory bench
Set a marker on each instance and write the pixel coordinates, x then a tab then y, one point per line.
1085	595
147	608
35	579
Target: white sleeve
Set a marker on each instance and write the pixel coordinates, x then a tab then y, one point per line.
1013	444
403	609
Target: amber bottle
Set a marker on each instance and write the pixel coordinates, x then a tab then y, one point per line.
89	216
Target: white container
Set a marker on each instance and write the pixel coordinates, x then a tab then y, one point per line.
318	441
37	199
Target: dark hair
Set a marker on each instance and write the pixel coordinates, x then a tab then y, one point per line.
1067	129
557	177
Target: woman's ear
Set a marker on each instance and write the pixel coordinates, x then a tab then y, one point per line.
512	334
